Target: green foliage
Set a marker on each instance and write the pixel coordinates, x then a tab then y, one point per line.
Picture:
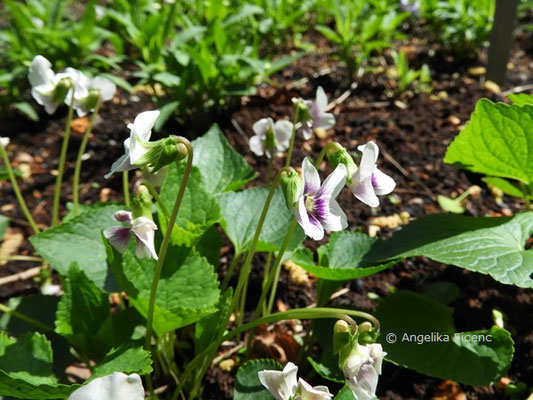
247	384
521	99
456	356
79	241
4	224
406	77
124	359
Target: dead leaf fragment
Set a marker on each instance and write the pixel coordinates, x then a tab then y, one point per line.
477	71
492	87
11	243
296	273
390	221
227	365
449	390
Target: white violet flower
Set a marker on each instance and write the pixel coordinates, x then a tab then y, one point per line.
133	147
270	136
362	369
318	118
142	228
97	89
316	209
368	181
111	387
284	385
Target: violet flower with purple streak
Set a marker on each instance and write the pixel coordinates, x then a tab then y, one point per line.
316	209
368	181
317	117
142	228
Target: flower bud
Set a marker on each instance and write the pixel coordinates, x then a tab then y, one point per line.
162	153
344	336
302	110
339	155
292	187
142	203
61	90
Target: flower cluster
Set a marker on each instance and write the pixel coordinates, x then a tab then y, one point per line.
71	86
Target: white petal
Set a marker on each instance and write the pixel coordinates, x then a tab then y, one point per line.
334	182
363	190
4	141
311	180
257	145
281	384
123	163
118	237
383	184
111	387
377	354
321	98
312	229
261	126
307	131
137	149
40	72
335	220
144	229
105	86
368	161
143	124
43	96
283	131
308	392
365	383
324	121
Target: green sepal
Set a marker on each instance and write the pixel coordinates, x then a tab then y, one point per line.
161	153
292	186
142	203
339	155
61	90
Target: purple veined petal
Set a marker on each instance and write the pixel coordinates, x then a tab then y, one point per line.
334	183
123	163
257	145
308	392
144	229
310	224
118	237
281	384
283	131
105	86
368	161
123	216
40	72
311	180
335	219
364	383
324	121
143	124
321	99
382	183
363	190
260	127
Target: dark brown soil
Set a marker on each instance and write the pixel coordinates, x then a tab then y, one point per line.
415	138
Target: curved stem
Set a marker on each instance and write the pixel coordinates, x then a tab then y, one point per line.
126	188
81	152
16	189
62	159
293	136
23	317
322	153
166	240
157	198
305	313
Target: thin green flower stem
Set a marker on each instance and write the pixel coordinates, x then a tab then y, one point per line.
61	167
163	250
266	274
126	188
23	317
79	161
157	198
230	272
240	313
299	313
269	169
293	136
16	189
525	191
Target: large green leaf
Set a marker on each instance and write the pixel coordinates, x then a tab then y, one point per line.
247	384
493	246
342	258
26	368
198	211
124	359
221	167
427	341
498	141
187	290
82	314
241	212
79	240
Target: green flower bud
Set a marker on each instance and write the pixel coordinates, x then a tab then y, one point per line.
339	155
302	111
92	99
142	203
162	153
292	187
61	90
343	336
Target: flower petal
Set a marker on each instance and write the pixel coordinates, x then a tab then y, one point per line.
321	100
324	121
382	183
137	148
143	124
118	237
377	354
105	86
334	183
307	131
40	72
123	216
283	131
335	219
368	161
363	190
111	387
123	163
308	392
311	180
261	126
281	384
311	226
144	229
257	145
4	141
365	383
